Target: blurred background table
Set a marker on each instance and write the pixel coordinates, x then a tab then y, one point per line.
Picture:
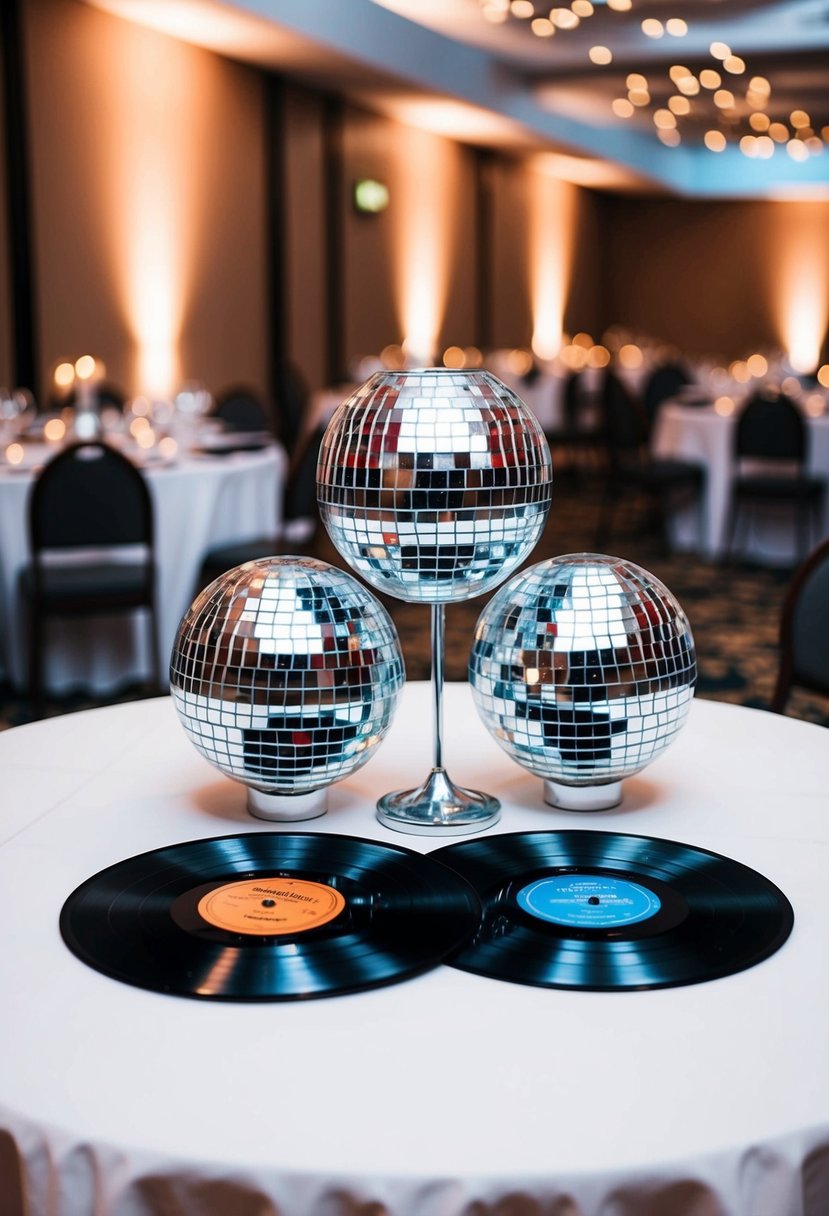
201	499
701	433
449	1093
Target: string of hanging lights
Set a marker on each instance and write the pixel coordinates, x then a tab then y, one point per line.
718	103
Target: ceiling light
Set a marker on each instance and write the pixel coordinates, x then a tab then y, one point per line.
600	55
689	85
494	15
621	107
652	28
678	72
748	145
719	50
779	132
635	80
582	8
522	8
664	119
669	136
797	150
542	28
620	6
734	64
799	118
714	141
709	79
765	146
679	105
676	27
724	100
564	18
759	84
759	122
639	97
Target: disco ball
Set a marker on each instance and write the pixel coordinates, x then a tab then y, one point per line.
434	484
285	674
583	669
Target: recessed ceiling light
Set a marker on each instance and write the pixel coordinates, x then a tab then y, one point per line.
600	54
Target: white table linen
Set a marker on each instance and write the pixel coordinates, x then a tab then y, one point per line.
199	502
702	434
444	1095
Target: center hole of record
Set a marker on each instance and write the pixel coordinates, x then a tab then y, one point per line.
588	900
268	903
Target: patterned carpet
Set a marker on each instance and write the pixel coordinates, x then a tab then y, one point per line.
734	611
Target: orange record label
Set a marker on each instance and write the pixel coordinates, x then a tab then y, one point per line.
268	906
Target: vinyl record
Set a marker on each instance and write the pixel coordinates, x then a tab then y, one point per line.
610	911
269	916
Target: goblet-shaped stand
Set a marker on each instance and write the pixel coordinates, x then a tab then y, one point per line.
434	485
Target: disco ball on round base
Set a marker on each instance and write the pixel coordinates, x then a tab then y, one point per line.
583	669
434	485
285	674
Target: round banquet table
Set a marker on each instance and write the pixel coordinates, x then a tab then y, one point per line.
199	501
445	1094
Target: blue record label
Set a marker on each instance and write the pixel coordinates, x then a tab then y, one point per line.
588	901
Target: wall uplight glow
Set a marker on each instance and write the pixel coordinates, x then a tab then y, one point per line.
551	236
156	173
801	256
423	238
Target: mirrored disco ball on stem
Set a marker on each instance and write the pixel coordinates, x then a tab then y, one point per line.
583	669
434	485
285	674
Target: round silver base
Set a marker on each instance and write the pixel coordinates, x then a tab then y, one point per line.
583	797
438	808
284	808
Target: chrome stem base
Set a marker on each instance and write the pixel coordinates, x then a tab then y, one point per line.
438	808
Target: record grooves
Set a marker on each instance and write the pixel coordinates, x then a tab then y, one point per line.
269	916
610	911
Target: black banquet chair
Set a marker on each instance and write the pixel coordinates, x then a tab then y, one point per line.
771	467
88	497
664	382
578	432
804	631
631	469
242	410
300	516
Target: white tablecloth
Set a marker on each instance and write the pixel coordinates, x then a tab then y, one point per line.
446	1095
198	502
700	433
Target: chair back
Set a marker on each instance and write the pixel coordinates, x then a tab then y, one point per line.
292	396
663	383
242	409
804	629
88	495
572	399
770	427
624	424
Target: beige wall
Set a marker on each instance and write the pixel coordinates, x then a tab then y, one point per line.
718	278
6	375
409	272
148	200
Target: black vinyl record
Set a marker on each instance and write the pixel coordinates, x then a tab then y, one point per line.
269	916
609	911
